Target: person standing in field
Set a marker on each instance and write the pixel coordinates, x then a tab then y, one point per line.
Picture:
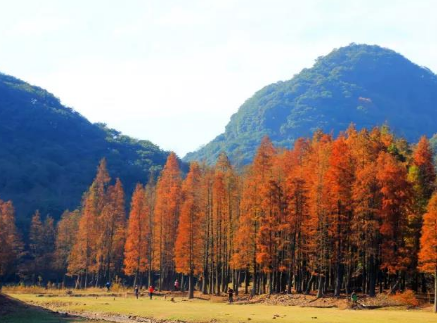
176	285
354	299
151	290
108	286
137	291
230	295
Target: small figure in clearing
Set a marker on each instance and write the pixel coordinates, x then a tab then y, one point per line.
176	285
230	295
137	291
354	299
108	286
151	290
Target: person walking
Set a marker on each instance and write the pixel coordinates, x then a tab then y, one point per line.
176	285
108	286
151	290
354	299
230	295
137	291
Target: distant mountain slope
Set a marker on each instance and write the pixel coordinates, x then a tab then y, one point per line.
366	85
49	153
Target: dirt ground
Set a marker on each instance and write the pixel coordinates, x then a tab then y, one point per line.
343	302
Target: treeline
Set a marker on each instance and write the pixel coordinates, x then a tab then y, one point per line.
356	212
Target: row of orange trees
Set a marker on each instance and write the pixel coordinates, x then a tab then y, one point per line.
332	214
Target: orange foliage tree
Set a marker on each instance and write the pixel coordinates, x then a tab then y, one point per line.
136	248
189	242
329	214
395	199
84	258
422	176
10	242
112	231
166	217
428	244
41	245
339	181
67	229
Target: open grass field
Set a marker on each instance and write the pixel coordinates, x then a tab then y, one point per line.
211	311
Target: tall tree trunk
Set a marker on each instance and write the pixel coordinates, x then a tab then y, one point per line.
149	277
423	282
372	277
246	281
320	288
339	279
205	280
136	278
435	290
255	278
86	279
310	282
190	285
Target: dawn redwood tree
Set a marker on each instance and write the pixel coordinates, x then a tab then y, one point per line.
36	245
254	212
84	258
112	231
274	227
41	245
339	181
225	196
221	199
298	231
82	255
136	249
319	246
166	217
66	232
428	244
395	199
244	257
422	176
10	242
150	192
189	241
218	228
211	231
365	223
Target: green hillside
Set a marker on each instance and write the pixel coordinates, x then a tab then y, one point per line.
49	153
366	85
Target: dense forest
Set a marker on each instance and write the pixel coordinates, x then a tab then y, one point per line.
367	85
49	152
331	215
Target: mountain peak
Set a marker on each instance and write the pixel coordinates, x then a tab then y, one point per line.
367	85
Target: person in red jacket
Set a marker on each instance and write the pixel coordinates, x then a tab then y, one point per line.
151	290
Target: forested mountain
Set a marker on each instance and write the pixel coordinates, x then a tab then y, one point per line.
363	84
49	153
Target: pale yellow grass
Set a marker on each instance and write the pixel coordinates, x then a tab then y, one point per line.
206	311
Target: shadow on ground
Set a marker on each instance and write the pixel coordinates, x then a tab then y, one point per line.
14	311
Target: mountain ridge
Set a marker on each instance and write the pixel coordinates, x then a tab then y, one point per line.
358	84
49	153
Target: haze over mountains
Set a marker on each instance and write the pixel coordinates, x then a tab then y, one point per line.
361	84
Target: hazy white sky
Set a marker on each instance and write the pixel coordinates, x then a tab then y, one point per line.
174	72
